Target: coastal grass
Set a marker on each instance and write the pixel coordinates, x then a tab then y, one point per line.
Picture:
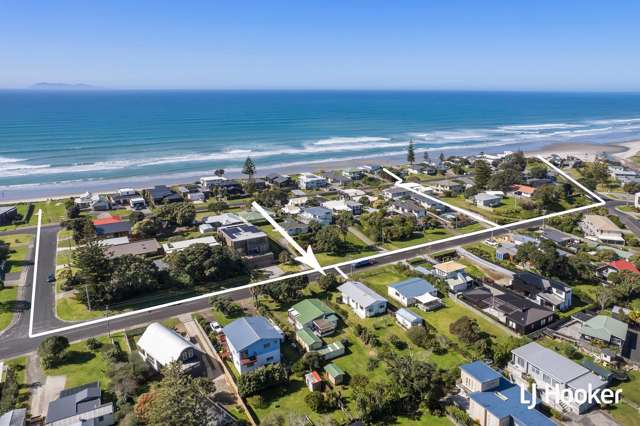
8	297
18	251
81	365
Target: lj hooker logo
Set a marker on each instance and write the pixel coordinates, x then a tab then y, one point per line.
572	396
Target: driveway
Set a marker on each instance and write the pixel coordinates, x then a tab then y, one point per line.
592	418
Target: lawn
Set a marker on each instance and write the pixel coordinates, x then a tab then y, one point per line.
20	364
69	308
625	414
356	249
421	238
631	389
19	251
508	211
7	298
82	365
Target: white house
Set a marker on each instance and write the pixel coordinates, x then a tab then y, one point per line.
408	319
321	215
453	273
395	193
414	291
486	200
311	181
343	206
601	228
181	245
137	203
364	301
160	346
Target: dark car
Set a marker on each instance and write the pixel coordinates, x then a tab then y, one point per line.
51	278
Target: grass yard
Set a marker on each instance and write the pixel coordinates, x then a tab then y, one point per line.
7	299
508	211
20	364
625	414
631	389
421	238
82	365
18	251
356	249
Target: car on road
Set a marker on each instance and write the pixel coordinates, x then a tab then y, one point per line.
215	327
51	278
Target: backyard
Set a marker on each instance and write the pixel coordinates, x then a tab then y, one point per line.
19	251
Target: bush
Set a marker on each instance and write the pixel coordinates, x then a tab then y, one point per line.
372	363
459	415
397	342
93	343
315	401
9	391
51	351
262	378
115	354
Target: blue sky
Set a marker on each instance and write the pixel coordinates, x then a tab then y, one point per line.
476	44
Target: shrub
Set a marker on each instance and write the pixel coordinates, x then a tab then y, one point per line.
262	378
314	400
397	342
51	350
93	343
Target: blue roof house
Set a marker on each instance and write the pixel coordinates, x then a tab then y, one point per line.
493	400
408	291
408	319
253	342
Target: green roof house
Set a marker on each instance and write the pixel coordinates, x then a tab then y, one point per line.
605	329
308	340
314	315
334	374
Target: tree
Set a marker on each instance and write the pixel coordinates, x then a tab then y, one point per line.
411	155
131	275
604	296
482	174
92	262
286	291
515	161
51	350
328	282
249	167
344	220
135	217
262	378
273	197
217	206
466	329
441	157
177	214
146	228
180	399
426	156
219	172
546	197
329	240
284	257
538	171
201	263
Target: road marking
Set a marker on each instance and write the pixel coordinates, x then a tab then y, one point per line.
308	272
345	276
35	273
307	257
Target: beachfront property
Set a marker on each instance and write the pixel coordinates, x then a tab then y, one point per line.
548	369
322	215
409	207
161	194
8	214
159	346
313	315
601	228
97	202
415	291
353	173
453	274
175	246
486	200
336	178
364	301
495	401
210	181
249	242
308	181
605	330
81	405
551	293
277	180
352	207
252	342
137	203
622	174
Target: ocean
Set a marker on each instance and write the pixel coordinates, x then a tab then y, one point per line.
53	143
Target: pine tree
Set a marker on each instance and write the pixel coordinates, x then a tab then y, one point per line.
441	157
249	167
426	156
482	173
411	155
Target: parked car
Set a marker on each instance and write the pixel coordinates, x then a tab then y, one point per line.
215	327
51	278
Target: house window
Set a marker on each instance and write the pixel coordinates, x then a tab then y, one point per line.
535	370
546	379
270	359
186	354
267	345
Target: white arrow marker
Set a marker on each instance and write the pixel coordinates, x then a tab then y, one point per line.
306	256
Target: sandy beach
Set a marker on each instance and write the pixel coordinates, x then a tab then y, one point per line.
587	151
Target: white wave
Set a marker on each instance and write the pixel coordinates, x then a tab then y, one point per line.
615	121
349	140
545	126
4	160
589	132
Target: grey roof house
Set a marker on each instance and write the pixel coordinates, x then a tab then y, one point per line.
364	301
606	330
81	405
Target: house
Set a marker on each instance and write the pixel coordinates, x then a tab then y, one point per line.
453	274
334	374
149	247
81	405
205	228
311	181
336	178
548	369
15	417
196	196
277	180
617	266
411	291
353	207
111	226
210	181
371	168
252	343
97	202
545	292
604	329
395	193
321	215
295	205
175	246
447	187
409	207
293	227
308	340
506	251
494	400
224	219
314	315
313	381
137	203
562	239
514	311
623	175
602	229
160	194
486	200
353	173
159	346
408	319
227	187
523	191
8	214
364	301
352	194
249	242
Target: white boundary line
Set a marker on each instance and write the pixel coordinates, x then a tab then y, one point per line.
35	272
600	202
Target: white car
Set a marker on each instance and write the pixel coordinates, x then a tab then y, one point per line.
215	327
